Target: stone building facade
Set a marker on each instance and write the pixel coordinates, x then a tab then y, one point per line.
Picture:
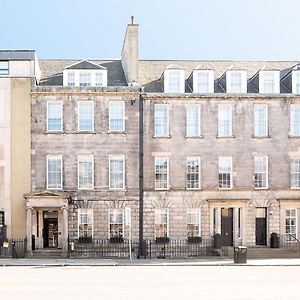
186	148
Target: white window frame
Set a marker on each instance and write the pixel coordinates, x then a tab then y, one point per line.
189	158
93	75
90	158
210	81
276	82
189	119
4	67
116	157
229	82
296	82
294	122
259	130
229	158
87	75
222	119
90	215
69	82
123	222
295	173
110	114
156	183
166	130
158	212
97	82
61	115
291	240
78	115
196	212
265	161
167	77
60	186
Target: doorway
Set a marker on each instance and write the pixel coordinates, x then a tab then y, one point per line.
261	226
50	229
227	226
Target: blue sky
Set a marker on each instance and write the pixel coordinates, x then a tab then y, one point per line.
169	29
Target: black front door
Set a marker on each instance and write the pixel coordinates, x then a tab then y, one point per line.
227	226
261	226
50	229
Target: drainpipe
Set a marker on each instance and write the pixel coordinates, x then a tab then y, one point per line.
142	249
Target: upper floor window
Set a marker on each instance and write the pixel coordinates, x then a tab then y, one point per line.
116	172
193	113
85	115
295	173
295	119
269	82
99	79
85	171
203	81
54	116
236	82
193	172
116	116
116	222
85	222
225	172
54	172
4	68
260	120
71	78
174	81
85	79
224	120
161	120
296	82
161	173
193	222
261	172
161	227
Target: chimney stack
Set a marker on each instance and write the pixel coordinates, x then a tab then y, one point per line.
130	55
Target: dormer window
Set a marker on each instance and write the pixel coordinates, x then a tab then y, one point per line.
85	79
85	74
174	81
296	82
203	81
236	81
4	68
269	82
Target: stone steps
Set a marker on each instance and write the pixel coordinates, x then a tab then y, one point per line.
48	253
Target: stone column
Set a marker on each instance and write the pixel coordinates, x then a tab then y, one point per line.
235	226
218	220
65	229
29	230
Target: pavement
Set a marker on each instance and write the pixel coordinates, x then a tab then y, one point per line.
146	262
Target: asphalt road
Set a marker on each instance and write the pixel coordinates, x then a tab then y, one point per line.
150	282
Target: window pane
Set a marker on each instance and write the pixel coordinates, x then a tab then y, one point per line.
193	172
54	176
260	120
193	120
85	79
268	82
161	173
99	79
116	172
235	82
295	173
116	116
86	116
116	222
161	227
193	222
54	116
4	68
202	82
161	120
295	120
71	78
290	225
225	172
224	120
85	222
260	172
85	172
173	82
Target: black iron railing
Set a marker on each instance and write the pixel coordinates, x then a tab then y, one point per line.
152	249
15	248
289	241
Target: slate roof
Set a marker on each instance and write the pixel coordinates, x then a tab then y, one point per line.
85	65
52	71
17	54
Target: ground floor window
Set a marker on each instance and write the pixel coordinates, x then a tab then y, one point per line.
193	222
116	222
85	222
161	228
291	225
2	221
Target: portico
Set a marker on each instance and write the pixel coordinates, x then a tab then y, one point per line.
47	220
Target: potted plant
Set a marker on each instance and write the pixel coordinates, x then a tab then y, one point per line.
194	239
115	239
85	239
162	239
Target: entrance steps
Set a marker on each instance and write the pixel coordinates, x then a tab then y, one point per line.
266	252
48	253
